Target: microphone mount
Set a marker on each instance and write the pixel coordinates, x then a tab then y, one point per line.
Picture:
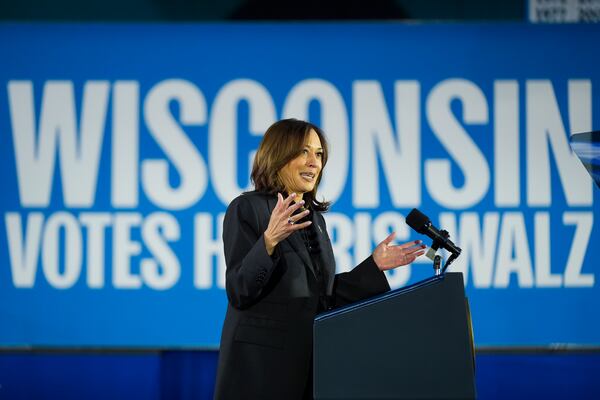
441	238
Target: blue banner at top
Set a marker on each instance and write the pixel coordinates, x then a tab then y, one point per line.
122	145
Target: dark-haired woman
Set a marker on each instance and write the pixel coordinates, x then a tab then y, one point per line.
281	269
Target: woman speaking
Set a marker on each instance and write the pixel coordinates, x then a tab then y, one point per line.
281	269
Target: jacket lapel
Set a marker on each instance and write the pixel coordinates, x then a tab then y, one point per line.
327	257
295	240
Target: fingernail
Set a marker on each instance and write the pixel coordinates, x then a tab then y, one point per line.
301	201
293	195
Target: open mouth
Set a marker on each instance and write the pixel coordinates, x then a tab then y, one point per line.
308	176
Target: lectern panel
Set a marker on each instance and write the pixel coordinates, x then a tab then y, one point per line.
409	343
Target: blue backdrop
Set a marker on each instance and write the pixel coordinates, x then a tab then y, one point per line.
121	146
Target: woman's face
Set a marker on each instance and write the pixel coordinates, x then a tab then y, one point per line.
300	175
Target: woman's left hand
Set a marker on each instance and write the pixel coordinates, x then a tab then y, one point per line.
389	256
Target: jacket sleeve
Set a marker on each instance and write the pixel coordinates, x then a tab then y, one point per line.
249	266
364	281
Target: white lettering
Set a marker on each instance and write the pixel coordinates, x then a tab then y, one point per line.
71	250
543	275
123	249
506	144
580	105
478	244
363	243
178	147
162	271
78	159
544	126
208	245
339	227
513	252
24	258
223	146
458	143
125	144
96	224
400	151
583	221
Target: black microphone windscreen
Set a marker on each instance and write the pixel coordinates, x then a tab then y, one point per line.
417	220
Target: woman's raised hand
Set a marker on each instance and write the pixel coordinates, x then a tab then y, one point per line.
389	256
282	223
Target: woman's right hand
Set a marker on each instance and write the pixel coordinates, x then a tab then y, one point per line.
282	223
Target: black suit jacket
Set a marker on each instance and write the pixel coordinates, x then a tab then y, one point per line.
266	343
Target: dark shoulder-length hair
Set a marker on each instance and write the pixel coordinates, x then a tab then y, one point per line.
282	142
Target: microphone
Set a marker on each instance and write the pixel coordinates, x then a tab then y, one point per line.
421	223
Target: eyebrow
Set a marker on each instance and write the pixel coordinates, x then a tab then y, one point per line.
316	148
